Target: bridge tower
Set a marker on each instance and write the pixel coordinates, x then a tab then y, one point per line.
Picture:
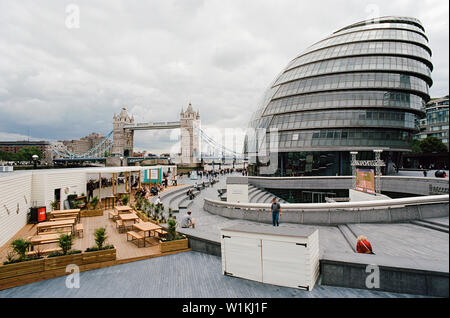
190	136
122	138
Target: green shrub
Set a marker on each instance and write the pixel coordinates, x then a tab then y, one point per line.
65	243
94	202
100	237
125	199
55	254
20	247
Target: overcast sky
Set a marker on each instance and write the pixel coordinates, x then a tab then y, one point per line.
60	79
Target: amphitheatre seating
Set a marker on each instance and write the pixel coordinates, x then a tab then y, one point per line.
135	237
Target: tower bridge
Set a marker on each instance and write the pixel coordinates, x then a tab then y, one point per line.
189	123
120	141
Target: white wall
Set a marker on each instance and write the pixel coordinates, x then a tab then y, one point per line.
237	193
356	196
45	183
15	195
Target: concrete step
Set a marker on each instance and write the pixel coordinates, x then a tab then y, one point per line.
431	226
349	236
435	223
258	198
251	198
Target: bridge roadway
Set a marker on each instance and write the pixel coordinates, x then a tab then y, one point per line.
154	126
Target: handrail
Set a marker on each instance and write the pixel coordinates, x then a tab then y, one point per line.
341	177
431	199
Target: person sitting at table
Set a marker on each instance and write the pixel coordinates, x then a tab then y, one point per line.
187	221
154	190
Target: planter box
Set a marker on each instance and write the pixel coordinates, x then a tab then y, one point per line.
176	245
22	268
99	256
89	213
62	261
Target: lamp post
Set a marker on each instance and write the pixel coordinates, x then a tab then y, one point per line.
353	162
378	169
35	159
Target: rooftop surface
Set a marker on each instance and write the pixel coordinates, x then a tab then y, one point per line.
184	275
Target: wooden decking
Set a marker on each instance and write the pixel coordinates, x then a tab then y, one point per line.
125	249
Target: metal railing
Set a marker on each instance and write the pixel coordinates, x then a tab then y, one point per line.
392	203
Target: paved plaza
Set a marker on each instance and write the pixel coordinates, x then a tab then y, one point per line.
184	275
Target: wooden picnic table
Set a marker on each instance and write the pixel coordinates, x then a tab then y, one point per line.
55	225
123	209
65	213
44	239
146	227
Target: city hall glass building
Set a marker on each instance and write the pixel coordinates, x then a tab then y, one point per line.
362	88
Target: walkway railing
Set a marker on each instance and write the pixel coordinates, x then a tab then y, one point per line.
392	203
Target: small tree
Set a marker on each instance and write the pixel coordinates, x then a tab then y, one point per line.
171	229
100	237
65	243
20	246
54	204
125	199
94	202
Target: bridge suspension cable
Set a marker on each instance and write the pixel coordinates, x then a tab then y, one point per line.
96	151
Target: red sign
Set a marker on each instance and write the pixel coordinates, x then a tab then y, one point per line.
42	214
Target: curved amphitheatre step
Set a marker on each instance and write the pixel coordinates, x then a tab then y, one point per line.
175	200
251	198
185	204
251	191
259	198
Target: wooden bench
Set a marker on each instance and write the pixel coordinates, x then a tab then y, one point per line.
68	232
161	232
135	237
120	226
79	229
113	215
44	252
64	218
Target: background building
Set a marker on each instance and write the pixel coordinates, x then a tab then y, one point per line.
82	145
362	88
435	124
15	146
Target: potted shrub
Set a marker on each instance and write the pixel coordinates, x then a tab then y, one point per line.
55	205
20	247
93	208
173	241
101	252
125	199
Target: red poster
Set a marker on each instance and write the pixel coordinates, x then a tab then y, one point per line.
41	214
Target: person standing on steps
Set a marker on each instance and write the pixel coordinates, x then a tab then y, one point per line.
275	209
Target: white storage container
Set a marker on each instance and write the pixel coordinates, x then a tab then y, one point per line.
280	256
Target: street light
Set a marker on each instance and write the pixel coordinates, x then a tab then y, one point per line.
35	159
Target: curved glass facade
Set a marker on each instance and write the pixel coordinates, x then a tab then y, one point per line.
362	88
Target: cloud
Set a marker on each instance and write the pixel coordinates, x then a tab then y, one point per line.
155	56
